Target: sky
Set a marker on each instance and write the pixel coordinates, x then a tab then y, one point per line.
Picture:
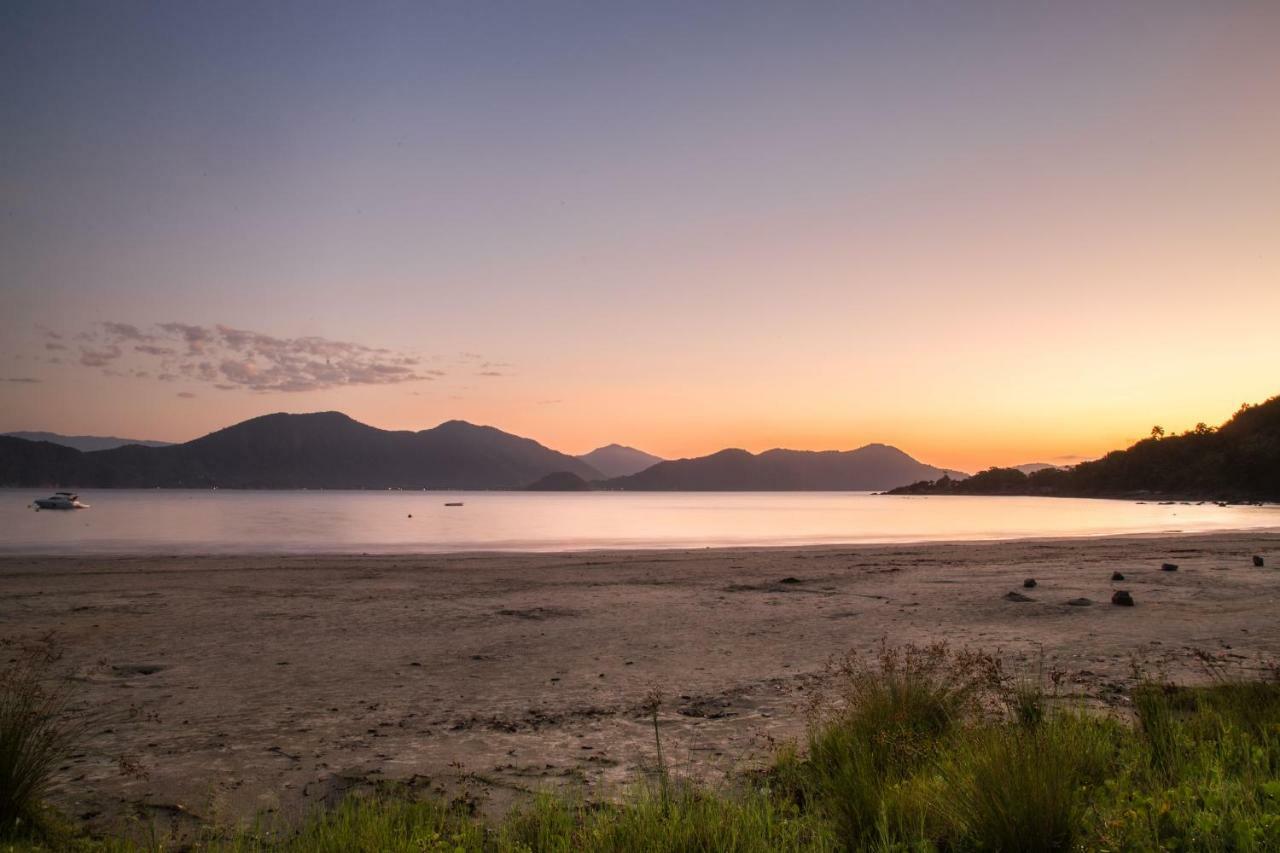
986	233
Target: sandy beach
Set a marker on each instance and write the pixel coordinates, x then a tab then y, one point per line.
220	689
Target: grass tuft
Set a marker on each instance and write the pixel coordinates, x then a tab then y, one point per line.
889	717
1020	788
35	735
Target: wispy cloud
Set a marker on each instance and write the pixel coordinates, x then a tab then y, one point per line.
99	357
126	331
25	380
229	358
196	337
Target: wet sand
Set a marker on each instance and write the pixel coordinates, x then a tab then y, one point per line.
224	688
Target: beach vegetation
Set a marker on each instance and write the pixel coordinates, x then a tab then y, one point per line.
911	749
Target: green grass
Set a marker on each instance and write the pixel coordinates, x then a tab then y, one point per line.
1026	788
918	750
1201	773
382	822
681	818
887	723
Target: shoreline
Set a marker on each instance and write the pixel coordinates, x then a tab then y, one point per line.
620	551
224	687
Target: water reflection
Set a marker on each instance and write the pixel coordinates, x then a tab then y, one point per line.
175	521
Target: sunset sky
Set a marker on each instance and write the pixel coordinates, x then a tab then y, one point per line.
985	233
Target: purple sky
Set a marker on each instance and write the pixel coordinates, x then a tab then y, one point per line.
987	233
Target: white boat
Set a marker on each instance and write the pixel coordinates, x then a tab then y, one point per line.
61	500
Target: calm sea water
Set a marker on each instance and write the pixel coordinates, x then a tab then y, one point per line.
224	522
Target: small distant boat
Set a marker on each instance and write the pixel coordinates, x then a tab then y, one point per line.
61	500
455	503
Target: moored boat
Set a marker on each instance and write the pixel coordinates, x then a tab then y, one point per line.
61	500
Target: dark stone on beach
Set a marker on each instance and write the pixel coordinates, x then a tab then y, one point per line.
1168	567
789	580
1080	602
1029	583
538	613
1016	596
1122	598
1116	576
127	669
1258	561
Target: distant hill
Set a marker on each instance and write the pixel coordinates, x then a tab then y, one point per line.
1032	467
325	450
1239	460
560	481
870	468
37	463
85	442
617	460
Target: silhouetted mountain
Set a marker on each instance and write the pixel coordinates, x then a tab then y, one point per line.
993	481
36	463
1239	460
323	450
560	481
85	442
873	467
1032	467
617	460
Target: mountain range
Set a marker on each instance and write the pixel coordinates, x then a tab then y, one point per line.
873	467
85	442
328	450
324	450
